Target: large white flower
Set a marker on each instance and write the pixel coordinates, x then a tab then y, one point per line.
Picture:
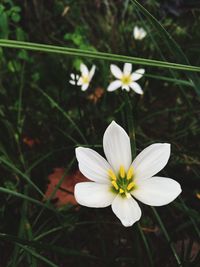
139	33
118	181
86	76
126	79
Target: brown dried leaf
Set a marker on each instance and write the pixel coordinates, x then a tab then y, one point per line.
65	193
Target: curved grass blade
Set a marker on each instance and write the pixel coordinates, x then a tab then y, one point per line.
16	170
186	209
16	194
44	246
95	55
38	256
174	48
167	237
146	245
56	105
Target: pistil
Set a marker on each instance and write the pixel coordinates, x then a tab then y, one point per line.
122	182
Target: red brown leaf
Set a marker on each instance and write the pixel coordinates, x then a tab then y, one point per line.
65	192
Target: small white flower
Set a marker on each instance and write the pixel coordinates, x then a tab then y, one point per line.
126	79
139	33
118	181
86	76
74	78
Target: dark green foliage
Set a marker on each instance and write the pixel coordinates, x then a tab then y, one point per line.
38	102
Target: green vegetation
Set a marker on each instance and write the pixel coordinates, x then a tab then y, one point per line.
43	118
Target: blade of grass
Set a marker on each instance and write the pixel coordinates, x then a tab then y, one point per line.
55	190
45	156
38	256
95	55
22	196
162	55
56	105
130	122
44	246
22	232
171	80
23	175
167	237
186	209
146	245
171	44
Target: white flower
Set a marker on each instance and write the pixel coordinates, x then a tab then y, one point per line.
139	33
126	79
118	181
86	76
74	78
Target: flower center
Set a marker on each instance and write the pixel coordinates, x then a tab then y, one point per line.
85	79
126	79
123	182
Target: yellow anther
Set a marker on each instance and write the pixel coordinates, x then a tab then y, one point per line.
112	175
130	173
130	186
85	79
122	171
115	185
121	191
126	79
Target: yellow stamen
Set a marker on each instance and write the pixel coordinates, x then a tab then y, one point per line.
130	186
112	175
122	171
85	79
130	173
126	79
121	191
115	185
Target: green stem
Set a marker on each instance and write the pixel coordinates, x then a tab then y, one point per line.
167	237
95	55
130	121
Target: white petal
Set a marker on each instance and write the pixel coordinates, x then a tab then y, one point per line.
80	81
92	165
116	71
117	147
93	195
77	76
84	70
139	33
136	75
136	32
84	87
125	87
127	68
151	160
72	75
136	87
72	82
157	191
114	85
143	33
92	71
126	209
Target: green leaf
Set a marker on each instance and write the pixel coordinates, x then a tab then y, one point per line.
95	55
173	47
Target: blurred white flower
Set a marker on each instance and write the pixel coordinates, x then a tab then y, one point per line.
74	78
126	79
139	33
118	181
86	76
